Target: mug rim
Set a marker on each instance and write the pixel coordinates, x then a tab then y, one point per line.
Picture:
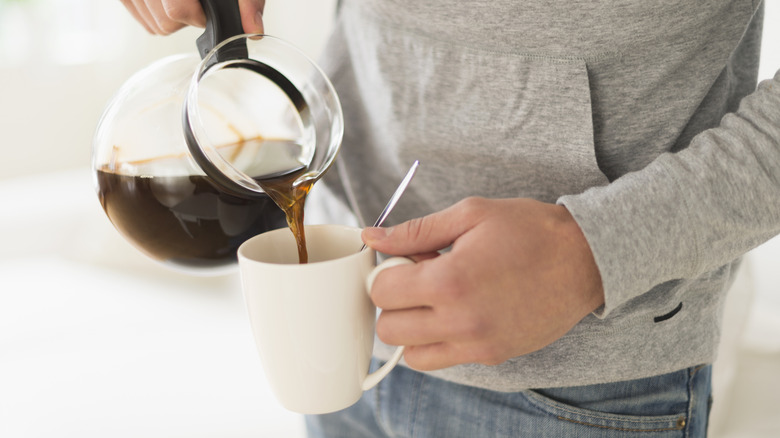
246	246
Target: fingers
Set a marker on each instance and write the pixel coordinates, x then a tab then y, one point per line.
252	15
141	14
432	341
440	308
399	287
424	309
411	285
429	233
186	12
428	357
134	12
163	17
442	355
417	326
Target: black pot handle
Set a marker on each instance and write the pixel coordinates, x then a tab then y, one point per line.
223	20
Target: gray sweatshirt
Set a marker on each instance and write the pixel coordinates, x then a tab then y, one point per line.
642	118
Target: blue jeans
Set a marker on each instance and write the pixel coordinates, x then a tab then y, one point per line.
412	404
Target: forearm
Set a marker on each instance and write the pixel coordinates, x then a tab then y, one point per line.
692	211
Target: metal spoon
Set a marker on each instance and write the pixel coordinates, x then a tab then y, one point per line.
396	196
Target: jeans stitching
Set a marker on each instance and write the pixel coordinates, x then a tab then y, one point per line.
378	418
378	405
640	425
613	417
691	374
417	401
680	425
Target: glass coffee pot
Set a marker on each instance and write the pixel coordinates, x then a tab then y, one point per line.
184	151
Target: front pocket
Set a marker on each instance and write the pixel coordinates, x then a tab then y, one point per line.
501	125
574	418
482	122
497	125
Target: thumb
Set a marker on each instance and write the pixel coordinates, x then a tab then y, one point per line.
422	235
252	15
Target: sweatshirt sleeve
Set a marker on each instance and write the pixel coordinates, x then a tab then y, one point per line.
691	211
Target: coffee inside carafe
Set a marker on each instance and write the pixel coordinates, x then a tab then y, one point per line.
185	220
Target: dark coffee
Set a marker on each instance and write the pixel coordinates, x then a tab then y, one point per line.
188	221
184	220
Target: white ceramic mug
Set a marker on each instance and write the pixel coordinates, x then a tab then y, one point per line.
313	323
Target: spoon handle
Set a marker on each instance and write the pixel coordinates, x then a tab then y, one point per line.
396	196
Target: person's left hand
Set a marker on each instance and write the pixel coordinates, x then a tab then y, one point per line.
519	276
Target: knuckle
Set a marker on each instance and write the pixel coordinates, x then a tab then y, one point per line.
176	12
416	229
167	28
419	358
472	207
384	330
414	360
472	328
164	26
376	292
449	290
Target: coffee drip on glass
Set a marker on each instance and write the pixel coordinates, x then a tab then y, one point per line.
185	148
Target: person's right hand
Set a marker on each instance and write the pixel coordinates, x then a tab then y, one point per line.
163	17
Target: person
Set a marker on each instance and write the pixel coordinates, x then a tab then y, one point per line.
591	175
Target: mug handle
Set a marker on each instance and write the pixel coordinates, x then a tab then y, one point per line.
372	379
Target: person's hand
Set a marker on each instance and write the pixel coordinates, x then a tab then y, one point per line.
519	275
163	17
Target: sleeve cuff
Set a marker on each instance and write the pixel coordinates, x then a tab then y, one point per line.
636	228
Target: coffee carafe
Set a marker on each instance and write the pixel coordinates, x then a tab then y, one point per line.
182	149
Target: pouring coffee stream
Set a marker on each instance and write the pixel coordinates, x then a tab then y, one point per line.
287	187
223	46
291	199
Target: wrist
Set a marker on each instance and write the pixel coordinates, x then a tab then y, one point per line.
582	261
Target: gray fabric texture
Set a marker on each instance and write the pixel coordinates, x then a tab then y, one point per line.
632	114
